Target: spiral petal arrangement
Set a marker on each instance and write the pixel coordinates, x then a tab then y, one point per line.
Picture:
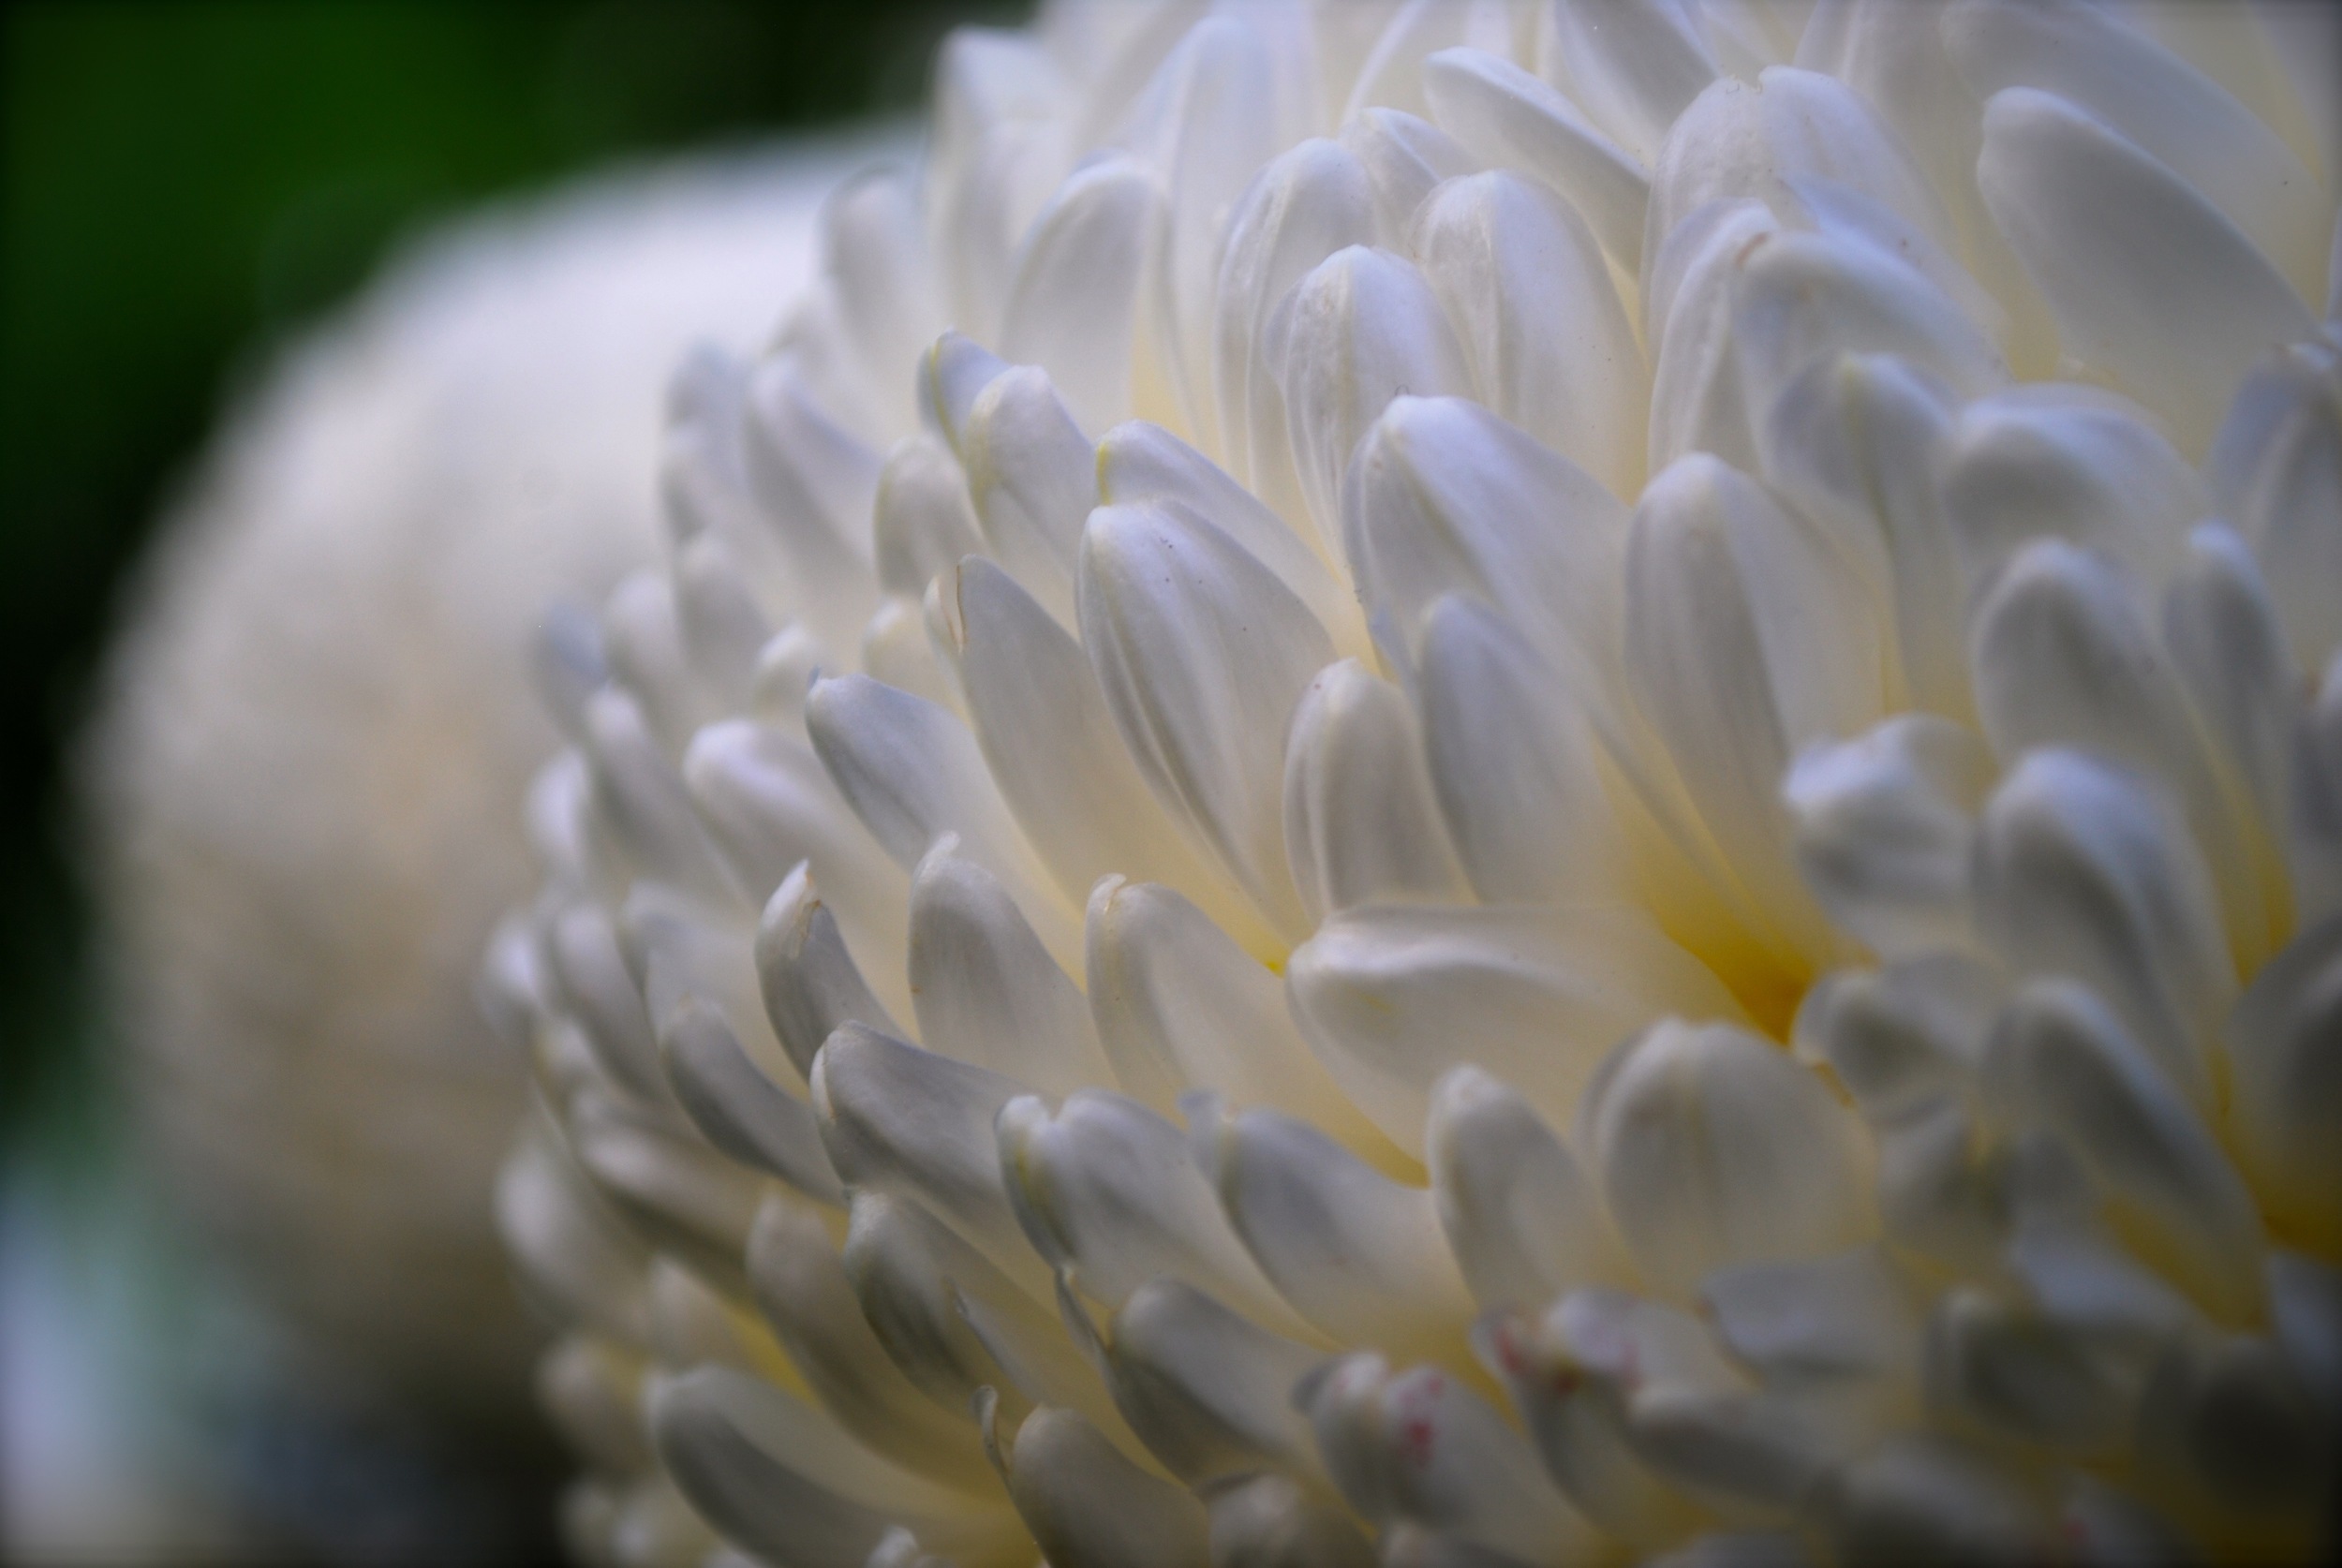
1471	783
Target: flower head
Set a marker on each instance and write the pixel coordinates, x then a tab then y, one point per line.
1595	749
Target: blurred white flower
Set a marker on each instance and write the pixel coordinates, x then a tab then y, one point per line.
1599	749
318	718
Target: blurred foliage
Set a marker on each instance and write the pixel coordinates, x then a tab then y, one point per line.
189	180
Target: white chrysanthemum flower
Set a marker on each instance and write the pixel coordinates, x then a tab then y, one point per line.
320	715
1597	748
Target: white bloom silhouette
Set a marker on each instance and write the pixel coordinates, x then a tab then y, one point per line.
1598	749
319	714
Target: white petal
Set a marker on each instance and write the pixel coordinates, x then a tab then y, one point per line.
1358	1254
1001	147
2333	276
572	1253
1715	1148
1139	463
639	797
2072	463
2149	282
876	263
1406	159
1447	499
1902	1037
947	1316
1360	826
1390	75
1361	329
1111	1187
1418	1447
1508	118
2061	1059
1084	1502
1392	997
1047	1363
898	649
1513	763
817	344
1216	99
1053	750
1689	291
2221	628
1754	1458
2065	655
785	1482
1936	1195
1741	1549
1202	654
897	1548
1179	1006
1571	1376
2173	113
785	667
1547	343
645	647
1858	443
1208	1388
1895	56
2276	472
2315	851
2227	1427
2082	871
953	373
913	773
602	998
984	989
739	1109
568	662
2305	1304
682	948
1999	1366
2081	1275
809	981
1884	825
1855	216
1306	205
1749	637
1075	304
800	1284
717	617
1524	1221
693	1324
1033	477
1855	1314
763	797
1924	1499
922	520
1749	35
1269	1521
1738	139
813	482
1802	298
2287	1111
591	1389
1635	66
684	1197
902	1120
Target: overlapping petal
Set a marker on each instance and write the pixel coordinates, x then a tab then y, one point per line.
1505	742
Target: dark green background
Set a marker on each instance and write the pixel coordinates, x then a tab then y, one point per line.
189	182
